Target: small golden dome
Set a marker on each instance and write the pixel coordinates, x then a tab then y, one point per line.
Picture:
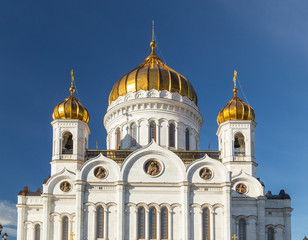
71	108
153	73
236	109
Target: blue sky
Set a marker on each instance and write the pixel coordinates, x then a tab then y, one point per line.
264	40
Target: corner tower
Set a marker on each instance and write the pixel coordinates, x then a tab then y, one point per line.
236	135
153	102
70	133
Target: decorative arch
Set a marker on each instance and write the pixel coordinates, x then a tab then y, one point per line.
242	227
37	232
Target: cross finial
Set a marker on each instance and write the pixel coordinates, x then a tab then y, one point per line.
153	30
72	235
153	43
96	145
235	237
234	80
72	90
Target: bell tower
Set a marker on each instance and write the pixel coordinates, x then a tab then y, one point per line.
70	133
236	135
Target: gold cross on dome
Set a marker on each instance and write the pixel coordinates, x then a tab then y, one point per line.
235	237
72	235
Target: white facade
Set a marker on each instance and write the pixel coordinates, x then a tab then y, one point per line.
122	183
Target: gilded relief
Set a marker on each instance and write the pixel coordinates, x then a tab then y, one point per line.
153	167
65	186
241	188
205	173
100	172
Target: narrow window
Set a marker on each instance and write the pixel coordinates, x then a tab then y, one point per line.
153	223
133	134
270	234
187	138
67	143
242	229
152	132
100	222
141	223
118	138
205	224
164	223
37	234
171	135
65	228
239	145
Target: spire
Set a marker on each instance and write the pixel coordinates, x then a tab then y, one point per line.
72	89
153	43
234	80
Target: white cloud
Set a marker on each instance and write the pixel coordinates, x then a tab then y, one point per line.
8	217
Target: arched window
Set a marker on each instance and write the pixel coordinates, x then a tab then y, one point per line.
141	223
171	135
164	223
187	139
100	222
239	145
37	232
118	138
205	224
67	143
65	228
133	134
242	230
153	223
270	234
152	132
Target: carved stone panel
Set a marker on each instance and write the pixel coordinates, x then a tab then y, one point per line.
100	172
153	168
206	173
241	188
65	186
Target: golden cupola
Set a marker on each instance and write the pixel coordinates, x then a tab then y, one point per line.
153	73
236	108
71	108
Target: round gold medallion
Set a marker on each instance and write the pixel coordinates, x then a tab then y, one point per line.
65	186
206	173
152	168
100	172
241	188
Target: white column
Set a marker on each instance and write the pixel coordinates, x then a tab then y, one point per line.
227	211
185	212
176	130
287	223
70	228
59	228
212	225
158	225
170	222
261	218
21	218
252	228
46	216
79	209
120	209
200	223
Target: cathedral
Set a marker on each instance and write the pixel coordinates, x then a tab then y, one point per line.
152	181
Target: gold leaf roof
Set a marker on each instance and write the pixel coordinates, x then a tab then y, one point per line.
71	108
236	109
153	73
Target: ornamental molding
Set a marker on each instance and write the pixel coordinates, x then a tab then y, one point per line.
153	93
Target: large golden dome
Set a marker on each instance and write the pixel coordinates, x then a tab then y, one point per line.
236	109
153	73
71	108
